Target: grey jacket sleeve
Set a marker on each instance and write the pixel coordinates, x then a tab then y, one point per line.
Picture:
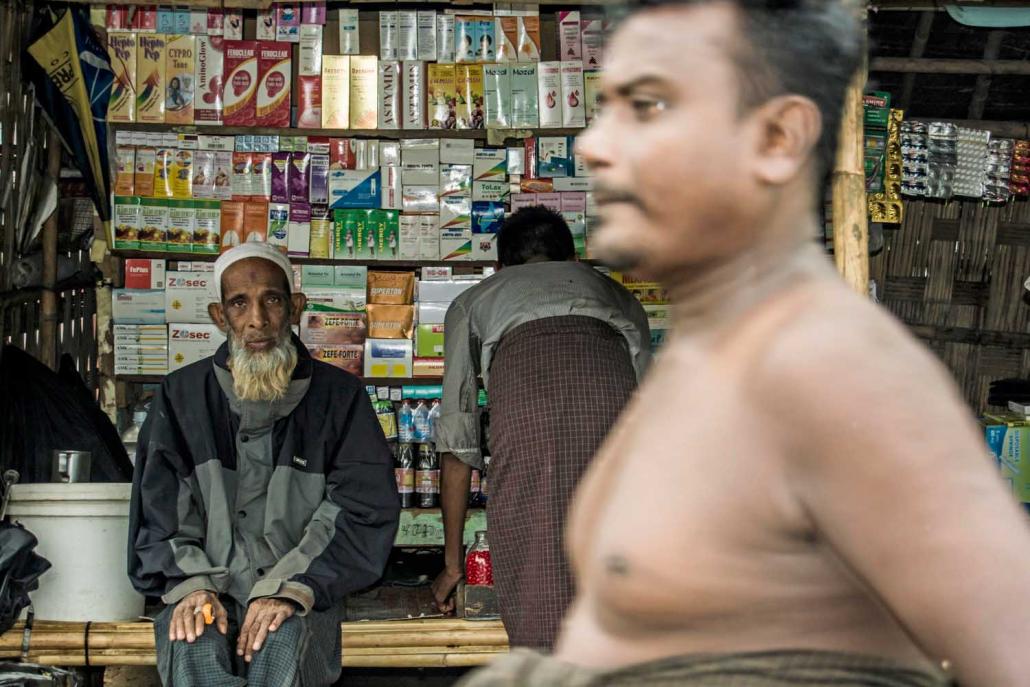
348	540
166	521
457	430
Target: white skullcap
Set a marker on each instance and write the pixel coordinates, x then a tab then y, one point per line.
251	249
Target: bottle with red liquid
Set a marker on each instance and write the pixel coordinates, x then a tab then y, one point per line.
478	568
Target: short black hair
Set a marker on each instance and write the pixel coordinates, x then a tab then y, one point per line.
534	233
810	48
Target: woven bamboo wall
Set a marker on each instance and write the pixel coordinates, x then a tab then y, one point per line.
954	273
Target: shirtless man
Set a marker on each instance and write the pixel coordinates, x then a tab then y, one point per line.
797	494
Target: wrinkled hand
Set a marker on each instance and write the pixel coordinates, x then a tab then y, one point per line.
443	589
188	617
263	616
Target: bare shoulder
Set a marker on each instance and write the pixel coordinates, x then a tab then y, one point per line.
838	356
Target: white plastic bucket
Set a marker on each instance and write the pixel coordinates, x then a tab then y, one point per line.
83	531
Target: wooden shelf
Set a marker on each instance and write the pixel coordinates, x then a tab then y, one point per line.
376	264
265	4
424	527
367	381
476	134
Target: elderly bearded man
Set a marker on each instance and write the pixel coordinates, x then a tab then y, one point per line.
263	487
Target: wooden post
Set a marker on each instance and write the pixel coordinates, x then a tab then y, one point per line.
48	302
106	383
930	65
922	36
850	213
983	82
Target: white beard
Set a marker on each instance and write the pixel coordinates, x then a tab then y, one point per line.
262	375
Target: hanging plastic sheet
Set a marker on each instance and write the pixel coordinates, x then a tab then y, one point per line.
990	17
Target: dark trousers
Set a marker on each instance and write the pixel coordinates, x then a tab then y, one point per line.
304	651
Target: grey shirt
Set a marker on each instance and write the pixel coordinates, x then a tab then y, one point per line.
247	501
480	317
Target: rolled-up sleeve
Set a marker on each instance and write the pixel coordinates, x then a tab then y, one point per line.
457	430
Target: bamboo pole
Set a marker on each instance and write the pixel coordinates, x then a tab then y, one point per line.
983	82
100	254
850	213
931	65
450	636
48	304
922	36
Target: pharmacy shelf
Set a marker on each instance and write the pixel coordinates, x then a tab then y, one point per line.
376	264
265	4
368	381
475	134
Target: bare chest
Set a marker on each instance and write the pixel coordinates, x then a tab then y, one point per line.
686	506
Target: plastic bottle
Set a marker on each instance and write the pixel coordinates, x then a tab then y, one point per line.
404	469
130	437
406	423
475	489
479	568
387	419
427	477
434	418
421	416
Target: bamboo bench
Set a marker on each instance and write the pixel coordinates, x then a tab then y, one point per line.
436	643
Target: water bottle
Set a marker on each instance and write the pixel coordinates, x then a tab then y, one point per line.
406	423
130	437
434	418
421	415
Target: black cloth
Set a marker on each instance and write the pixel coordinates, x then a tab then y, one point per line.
42	411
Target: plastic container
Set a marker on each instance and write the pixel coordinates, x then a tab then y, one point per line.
82	530
479	569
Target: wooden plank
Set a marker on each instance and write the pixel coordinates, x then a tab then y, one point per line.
404	643
1013	234
966	335
265	4
475	134
374	264
930	65
368	381
944	229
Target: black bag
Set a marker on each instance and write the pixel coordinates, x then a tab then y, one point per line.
20	568
24	674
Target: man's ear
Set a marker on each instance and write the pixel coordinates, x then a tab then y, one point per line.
299	301
217	314
789	130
